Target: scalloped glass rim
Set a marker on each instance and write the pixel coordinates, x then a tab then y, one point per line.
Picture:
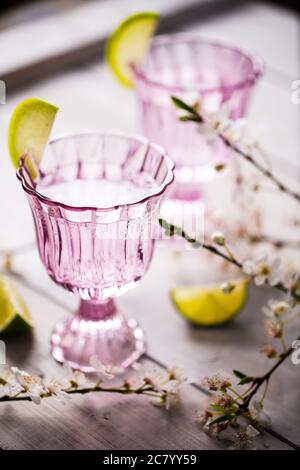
157	192
257	64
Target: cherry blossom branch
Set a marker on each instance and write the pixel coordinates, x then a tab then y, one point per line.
173	230
148	389
276	242
264	171
191	113
259	381
18	385
228	404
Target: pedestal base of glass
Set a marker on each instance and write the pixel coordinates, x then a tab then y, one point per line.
97	330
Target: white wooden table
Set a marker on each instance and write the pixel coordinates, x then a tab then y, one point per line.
88	97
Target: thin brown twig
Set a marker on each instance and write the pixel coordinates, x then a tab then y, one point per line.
265	171
194	116
173	230
83	391
259	381
276	242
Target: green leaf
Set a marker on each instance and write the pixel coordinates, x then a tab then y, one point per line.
238	374
245	380
219	419
192	118
166	226
217	407
182	105
163	223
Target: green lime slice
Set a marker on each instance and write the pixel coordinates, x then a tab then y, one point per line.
29	129
14	314
129	43
209	305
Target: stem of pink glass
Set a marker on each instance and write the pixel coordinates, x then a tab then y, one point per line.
96	310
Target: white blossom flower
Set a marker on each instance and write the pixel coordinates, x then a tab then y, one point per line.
230	130
216	382
105	372
4	391
177	373
290	278
222	400
239	132
155	378
56	388
15	389
172	396
273	328
6	374
207	131
276	308
76	378
31	384
211	123
262	271
216	118
202	416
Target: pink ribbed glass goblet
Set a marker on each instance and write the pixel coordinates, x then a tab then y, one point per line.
182	65
95	207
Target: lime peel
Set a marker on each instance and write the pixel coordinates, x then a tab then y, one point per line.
29	129
208	305
128	45
14	314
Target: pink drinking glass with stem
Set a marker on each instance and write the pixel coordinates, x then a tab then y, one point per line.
100	250
181	65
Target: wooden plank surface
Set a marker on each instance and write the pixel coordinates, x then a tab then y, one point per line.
90	98
96	421
200	351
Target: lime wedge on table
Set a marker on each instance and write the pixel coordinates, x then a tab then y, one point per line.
29	129
209	305
128	44
14	315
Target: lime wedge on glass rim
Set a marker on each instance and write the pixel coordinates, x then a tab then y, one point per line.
209	305
29	130
14	314
129	43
